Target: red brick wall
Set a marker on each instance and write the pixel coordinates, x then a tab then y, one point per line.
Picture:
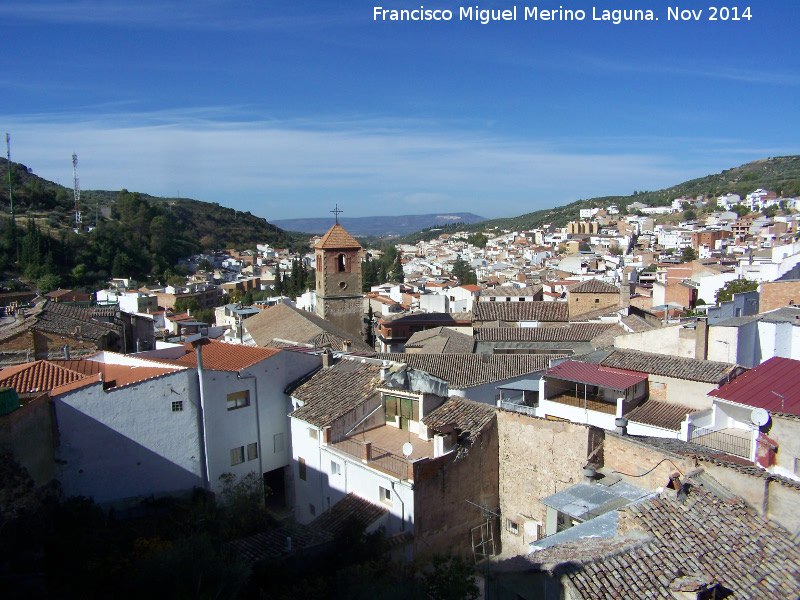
777	294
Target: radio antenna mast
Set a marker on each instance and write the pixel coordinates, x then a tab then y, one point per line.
10	195
76	191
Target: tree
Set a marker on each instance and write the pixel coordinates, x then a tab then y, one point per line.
689	214
740	210
48	283
204	265
616	250
688	254
450	578
463	272
397	270
736	286
479	240
186	304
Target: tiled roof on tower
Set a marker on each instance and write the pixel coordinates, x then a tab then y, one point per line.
337	238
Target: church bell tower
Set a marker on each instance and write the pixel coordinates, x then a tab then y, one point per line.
338	278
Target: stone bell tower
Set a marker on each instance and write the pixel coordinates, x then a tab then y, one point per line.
338	277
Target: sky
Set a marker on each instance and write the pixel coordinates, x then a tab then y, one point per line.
287	108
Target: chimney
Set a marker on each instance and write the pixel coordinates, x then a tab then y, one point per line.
624	292
346	345
66	351
701	339
384	371
327	358
589	472
621	425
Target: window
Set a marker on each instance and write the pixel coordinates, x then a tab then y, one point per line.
385	495
341	263
512	527
301	468
238	400
277	443
312	433
312	509
237	455
177	406
597	300
252	451
336	468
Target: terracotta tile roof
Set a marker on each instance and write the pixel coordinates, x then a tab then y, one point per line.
62	319
114	375
572	332
336	521
773	385
337	239
720	540
466	416
221	356
593	286
39	376
332	392
691	369
521	311
289	324
272	544
581	372
660	414
441	340
463	371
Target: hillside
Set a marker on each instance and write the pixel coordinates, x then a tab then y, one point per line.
779	174
228	227
136	236
379	226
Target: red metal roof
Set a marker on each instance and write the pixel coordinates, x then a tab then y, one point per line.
773	385
616	379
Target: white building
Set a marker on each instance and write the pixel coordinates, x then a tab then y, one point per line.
136	427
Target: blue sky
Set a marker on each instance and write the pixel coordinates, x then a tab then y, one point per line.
285	108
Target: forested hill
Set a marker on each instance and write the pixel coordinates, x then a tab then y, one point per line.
780	174
137	235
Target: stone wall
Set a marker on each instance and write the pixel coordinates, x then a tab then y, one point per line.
646	466
28	433
538	457
443	516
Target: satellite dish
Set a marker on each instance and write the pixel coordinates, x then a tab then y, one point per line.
759	417
408	449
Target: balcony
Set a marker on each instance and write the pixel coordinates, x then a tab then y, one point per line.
737	442
382	448
589	402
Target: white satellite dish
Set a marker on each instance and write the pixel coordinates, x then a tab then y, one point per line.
408	449
759	417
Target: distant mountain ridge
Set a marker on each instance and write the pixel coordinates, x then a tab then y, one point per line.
379	226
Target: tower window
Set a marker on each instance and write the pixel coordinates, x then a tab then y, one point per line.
341	263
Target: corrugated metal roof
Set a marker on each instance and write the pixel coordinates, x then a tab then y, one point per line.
773	385
616	379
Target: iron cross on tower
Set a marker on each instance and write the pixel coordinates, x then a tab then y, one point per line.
337	212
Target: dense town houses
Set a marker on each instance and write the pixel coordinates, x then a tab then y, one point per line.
605	401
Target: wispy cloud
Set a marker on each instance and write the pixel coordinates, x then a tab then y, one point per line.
281	169
203	15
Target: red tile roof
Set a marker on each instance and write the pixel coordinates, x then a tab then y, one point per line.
221	356
763	386
39	376
338	239
617	379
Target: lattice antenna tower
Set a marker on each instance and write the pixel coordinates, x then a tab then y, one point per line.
10	195
76	191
